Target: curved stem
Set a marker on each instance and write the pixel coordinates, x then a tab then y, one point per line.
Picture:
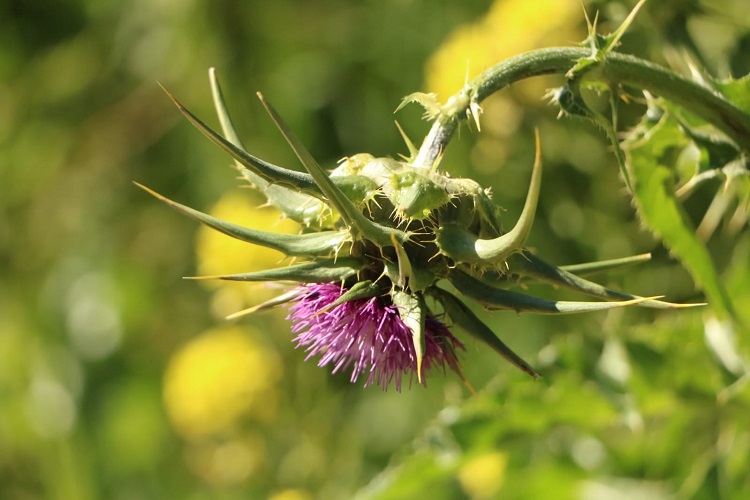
616	69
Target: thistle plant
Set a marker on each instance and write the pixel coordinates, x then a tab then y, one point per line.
394	249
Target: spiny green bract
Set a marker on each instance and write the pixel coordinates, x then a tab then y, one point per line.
387	228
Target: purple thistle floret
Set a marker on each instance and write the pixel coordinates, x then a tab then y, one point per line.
368	333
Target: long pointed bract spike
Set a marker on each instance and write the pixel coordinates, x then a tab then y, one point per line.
322	271
404	265
269	304
614	38
495	298
311	244
462	245
295	205
269	172
498	249
467	320
413	312
221	110
356	221
606	265
413	151
530	265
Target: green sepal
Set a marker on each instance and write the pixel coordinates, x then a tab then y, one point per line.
469	322
495	298
352	216
320	271
295	205
310	244
413	312
528	264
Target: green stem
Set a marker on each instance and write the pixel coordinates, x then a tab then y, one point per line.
615	69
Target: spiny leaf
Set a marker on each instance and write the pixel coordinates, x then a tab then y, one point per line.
468	321
648	155
429	102
311	244
737	91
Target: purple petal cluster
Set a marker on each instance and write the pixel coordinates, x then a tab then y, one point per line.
367	334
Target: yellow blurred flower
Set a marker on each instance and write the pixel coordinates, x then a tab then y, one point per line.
219	378
509	28
483	476
218	253
291	495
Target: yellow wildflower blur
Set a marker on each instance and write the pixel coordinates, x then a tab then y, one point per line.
218	253
295	494
509	28
218	379
483	476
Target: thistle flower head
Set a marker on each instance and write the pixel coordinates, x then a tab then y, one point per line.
383	238
367	335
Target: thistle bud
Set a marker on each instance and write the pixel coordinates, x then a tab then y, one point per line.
395	234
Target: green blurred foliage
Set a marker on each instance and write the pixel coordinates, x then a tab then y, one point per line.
93	310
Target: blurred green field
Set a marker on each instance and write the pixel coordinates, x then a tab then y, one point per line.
120	380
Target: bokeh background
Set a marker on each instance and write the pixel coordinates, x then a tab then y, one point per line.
120	380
